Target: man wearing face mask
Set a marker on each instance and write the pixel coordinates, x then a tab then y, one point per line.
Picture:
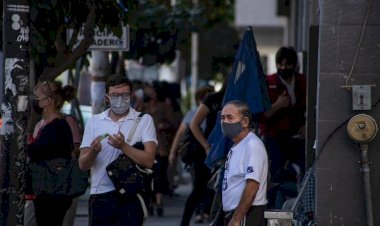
282	127
103	141
246	169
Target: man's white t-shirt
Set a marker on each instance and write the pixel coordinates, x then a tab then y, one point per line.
246	160
100	124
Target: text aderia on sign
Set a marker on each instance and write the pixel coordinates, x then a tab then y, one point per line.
105	39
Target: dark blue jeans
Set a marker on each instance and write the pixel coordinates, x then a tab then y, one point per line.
199	193
107	210
283	149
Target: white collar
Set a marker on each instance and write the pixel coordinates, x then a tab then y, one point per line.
132	115
291	83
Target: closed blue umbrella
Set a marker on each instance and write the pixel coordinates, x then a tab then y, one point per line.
246	83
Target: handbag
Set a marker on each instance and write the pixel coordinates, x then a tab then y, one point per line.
190	149
58	176
128	177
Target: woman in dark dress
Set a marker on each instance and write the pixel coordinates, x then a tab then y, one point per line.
52	138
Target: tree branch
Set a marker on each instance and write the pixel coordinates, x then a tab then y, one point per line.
59	42
74	37
68	59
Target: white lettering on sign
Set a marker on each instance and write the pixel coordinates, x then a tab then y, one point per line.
24	35
105	40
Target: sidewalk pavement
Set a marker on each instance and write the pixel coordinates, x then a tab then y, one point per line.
173	209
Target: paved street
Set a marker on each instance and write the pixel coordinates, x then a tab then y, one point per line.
172	213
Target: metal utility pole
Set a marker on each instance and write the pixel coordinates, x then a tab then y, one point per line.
194	66
14	111
194	63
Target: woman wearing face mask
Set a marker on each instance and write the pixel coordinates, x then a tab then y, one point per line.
282	127
52	138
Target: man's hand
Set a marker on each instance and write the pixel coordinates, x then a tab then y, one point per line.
96	146
283	100
116	140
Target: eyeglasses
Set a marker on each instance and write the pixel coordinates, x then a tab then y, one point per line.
117	95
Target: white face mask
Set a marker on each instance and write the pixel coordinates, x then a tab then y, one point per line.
120	105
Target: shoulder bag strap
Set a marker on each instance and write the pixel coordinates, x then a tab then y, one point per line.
133	130
130	135
148	171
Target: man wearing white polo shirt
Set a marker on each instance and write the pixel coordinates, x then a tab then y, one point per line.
104	139
246	169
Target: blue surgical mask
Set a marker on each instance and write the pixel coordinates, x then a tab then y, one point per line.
231	130
120	105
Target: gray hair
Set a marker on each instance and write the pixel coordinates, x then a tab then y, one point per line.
243	109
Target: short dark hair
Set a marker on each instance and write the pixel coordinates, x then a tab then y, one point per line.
202	92
115	80
287	53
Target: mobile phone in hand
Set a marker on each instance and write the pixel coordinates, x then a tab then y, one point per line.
104	136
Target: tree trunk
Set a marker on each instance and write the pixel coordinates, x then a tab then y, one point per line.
100	70
120	69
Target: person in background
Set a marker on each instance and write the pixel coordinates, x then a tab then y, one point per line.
96	152
137	100
246	169
208	110
283	126
70	93
173	96
200	172
160	109
52	138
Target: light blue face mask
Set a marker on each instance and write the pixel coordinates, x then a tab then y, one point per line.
119	105
231	130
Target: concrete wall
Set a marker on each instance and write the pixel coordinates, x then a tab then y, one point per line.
339	187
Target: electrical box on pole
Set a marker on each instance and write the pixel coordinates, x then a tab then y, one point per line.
361	97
